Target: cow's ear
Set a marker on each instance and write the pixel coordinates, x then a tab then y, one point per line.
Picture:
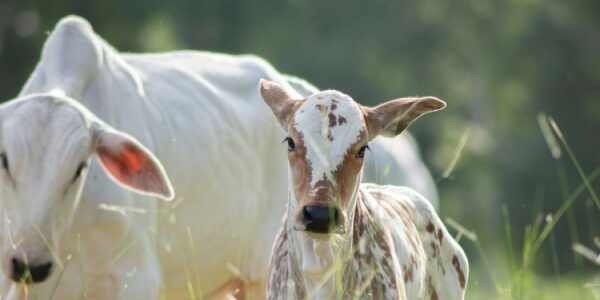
279	101
393	117
130	164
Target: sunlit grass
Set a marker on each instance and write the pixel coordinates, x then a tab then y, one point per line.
511	273
60	276
457	153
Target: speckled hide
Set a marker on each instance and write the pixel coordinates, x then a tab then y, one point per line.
341	239
400	249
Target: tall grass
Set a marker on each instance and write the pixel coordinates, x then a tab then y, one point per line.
521	281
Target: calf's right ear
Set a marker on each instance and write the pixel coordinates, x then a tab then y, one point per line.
279	101
130	164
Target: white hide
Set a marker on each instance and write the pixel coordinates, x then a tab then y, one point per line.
324	155
201	114
390	161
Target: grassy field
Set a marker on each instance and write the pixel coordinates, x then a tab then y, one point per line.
508	273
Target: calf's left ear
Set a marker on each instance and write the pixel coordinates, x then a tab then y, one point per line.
392	117
131	165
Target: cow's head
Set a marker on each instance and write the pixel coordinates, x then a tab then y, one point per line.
327	137
46	143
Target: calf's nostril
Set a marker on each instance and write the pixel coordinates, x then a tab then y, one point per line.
307	216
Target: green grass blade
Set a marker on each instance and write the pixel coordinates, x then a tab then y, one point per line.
587	253
571	222
60	276
563	208
548	136
457	154
508	239
575	161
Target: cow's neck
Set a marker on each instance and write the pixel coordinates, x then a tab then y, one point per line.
116	93
315	265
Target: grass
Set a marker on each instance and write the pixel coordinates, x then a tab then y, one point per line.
572	286
522	282
502	274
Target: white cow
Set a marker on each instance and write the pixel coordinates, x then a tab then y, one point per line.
90	117
341	239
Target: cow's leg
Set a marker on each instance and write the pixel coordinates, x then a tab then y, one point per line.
135	275
232	289
118	251
255	290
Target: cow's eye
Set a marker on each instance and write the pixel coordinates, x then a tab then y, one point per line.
291	145
4	161
361	152
80	169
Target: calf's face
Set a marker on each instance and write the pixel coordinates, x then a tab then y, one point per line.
328	135
45	148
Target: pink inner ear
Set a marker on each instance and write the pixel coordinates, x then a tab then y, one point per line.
132	167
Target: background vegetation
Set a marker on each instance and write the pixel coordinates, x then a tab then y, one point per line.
502	66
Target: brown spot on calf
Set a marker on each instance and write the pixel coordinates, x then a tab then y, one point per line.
430	227
434	295
461	275
332	121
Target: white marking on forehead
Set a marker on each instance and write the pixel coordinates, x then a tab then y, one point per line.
329	122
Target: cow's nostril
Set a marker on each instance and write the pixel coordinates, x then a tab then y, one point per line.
18	269
40	272
29	273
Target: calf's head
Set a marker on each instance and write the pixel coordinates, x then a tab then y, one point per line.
327	137
46	143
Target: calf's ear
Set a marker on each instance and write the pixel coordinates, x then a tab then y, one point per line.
392	117
130	164
278	100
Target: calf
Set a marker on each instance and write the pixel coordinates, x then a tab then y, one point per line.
341	239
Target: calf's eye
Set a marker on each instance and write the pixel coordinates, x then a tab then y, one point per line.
291	145
80	169
361	152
